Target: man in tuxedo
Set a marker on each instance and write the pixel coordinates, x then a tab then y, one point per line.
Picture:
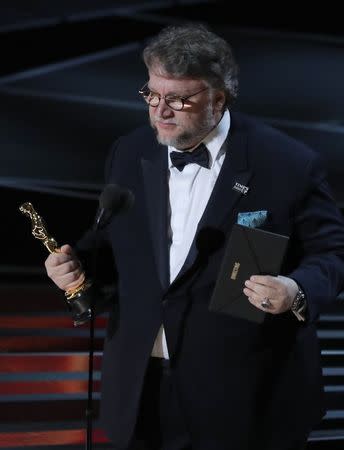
175	375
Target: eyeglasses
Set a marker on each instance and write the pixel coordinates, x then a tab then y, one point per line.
174	102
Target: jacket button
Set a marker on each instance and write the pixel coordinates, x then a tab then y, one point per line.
164	302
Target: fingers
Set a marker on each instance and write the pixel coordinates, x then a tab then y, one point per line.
279	290
72	280
264	303
265	280
64	268
67	249
258	291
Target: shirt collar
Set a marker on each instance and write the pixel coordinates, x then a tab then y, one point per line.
214	140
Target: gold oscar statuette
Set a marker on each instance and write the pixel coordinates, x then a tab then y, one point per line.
40	232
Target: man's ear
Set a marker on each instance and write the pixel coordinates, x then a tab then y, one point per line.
220	100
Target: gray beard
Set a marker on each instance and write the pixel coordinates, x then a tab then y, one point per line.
184	140
188	138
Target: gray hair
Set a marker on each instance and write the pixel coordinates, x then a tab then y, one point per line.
193	51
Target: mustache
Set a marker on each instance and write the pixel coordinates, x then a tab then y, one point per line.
164	121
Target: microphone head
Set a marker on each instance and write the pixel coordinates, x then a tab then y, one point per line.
115	199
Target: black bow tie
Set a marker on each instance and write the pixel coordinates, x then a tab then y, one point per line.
198	156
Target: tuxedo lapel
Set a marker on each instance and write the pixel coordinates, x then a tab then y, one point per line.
156	194
235	171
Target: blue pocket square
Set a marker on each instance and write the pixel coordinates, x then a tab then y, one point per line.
252	219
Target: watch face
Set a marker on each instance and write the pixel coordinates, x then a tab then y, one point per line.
299	301
298	306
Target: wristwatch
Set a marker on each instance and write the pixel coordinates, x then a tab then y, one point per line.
299	304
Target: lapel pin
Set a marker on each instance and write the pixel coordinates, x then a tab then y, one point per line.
240	188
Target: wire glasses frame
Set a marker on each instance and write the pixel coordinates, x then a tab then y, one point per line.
176	103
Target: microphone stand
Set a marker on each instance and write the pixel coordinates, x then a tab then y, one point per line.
89	407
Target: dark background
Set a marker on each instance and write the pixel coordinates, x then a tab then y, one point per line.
69	78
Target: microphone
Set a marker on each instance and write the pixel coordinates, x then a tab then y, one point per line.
113	200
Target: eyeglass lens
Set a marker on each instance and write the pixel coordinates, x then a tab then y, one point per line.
154	100
174	103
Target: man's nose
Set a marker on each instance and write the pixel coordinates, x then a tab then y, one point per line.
163	109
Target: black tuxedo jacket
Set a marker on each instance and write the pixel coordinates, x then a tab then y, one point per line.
241	384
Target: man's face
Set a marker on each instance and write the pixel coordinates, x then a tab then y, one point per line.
186	128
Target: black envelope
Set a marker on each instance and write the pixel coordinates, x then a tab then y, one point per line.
249	251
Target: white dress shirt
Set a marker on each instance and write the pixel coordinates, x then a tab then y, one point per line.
189	192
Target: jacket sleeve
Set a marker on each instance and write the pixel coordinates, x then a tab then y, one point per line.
319	230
